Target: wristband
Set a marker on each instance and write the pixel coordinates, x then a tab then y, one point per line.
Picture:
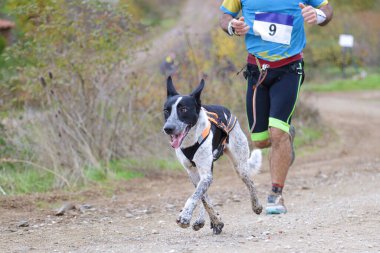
321	16
230	29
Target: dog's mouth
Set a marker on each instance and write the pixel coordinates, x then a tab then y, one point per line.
176	139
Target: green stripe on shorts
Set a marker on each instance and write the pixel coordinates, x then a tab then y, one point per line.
298	92
262	136
279	124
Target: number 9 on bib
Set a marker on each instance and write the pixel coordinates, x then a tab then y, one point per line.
273	27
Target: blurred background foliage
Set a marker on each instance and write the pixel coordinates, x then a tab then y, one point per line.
76	105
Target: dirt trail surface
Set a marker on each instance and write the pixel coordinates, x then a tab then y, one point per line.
331	194
197	18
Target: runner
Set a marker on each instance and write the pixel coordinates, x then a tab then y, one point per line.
274	37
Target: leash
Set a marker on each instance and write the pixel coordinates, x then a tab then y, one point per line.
244	67
263	74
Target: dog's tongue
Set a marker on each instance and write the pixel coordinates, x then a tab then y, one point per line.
176	140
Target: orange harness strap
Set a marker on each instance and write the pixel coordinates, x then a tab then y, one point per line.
213	118
205	132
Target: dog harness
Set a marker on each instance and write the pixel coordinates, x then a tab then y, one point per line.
220	122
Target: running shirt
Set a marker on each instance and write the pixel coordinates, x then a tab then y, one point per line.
276	26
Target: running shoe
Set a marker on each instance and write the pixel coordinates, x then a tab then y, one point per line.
275	204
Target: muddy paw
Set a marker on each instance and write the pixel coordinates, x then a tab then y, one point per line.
217	228
257	209
198	225
183	222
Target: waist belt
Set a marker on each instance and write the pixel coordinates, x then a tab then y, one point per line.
251	59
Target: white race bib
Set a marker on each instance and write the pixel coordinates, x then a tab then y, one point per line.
273	27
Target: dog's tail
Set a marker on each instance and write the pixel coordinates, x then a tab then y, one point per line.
255	162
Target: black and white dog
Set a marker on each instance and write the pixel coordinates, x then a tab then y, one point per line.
200	134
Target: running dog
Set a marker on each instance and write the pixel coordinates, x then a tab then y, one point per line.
200	134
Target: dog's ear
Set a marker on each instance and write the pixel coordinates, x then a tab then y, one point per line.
170	88
197	92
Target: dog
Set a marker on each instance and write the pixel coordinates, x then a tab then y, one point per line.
200	134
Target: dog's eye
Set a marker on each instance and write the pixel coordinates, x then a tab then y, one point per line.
183	109
166	111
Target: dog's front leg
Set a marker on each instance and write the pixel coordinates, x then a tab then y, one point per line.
216	222
201	188
200	221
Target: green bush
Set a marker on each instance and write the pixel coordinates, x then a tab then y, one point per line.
2	44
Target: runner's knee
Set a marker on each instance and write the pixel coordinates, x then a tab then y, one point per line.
262	144
278	136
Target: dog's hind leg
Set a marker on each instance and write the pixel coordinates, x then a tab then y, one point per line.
238	151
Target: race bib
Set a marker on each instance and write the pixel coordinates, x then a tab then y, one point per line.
273	27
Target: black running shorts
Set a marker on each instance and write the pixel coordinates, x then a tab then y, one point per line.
276	98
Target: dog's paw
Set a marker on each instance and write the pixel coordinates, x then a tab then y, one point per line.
183	222
257	209
198	225
217	228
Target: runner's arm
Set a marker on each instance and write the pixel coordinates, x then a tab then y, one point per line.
224	20
328	10
239	26
313	15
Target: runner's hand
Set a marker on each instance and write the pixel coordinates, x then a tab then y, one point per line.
309	14
240	27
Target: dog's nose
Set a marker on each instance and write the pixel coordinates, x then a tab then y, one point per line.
169	129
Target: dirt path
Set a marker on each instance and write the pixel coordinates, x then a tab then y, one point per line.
197	18
332	196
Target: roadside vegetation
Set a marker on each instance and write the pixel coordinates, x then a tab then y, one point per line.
73	113
367	82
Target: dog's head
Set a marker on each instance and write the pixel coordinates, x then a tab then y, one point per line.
181	112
